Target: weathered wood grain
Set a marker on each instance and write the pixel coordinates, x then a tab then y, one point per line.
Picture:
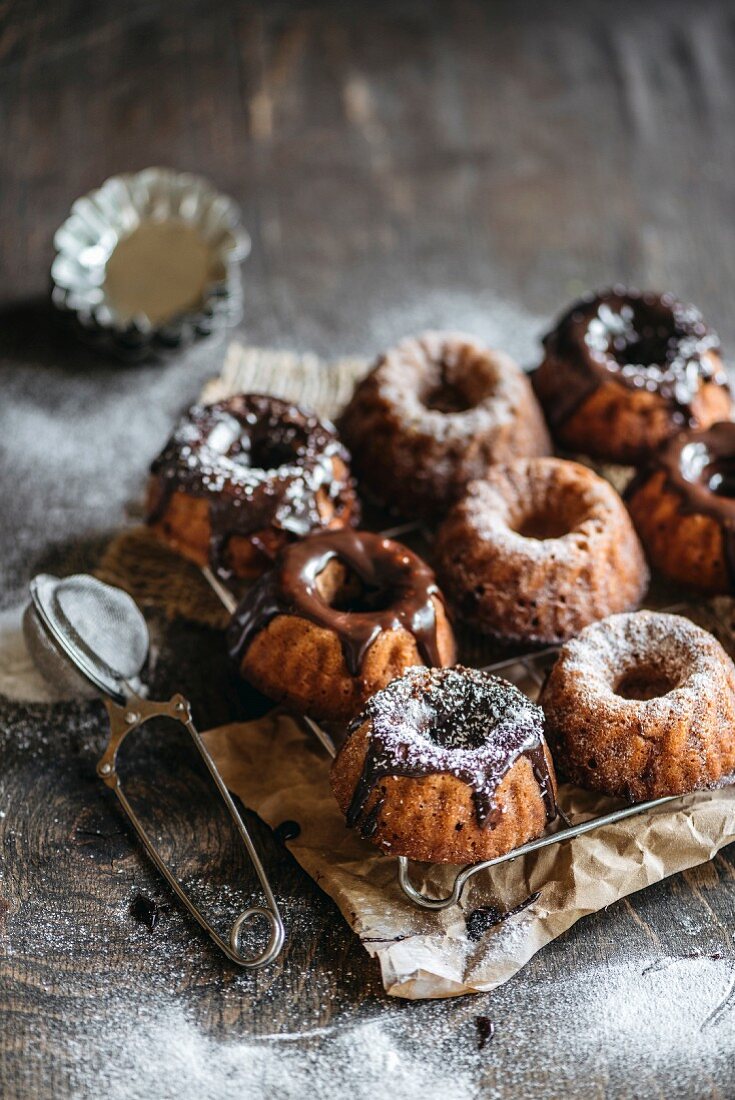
399	165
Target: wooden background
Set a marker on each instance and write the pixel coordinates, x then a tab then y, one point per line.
399	165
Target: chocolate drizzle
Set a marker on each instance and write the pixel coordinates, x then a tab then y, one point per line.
260	463
699	467
395	588
644	341
455	721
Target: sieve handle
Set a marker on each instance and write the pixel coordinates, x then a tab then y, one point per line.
123	720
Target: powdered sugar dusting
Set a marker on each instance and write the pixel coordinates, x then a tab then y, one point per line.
553	488
438	711
641	705
497	321
680	651
417	365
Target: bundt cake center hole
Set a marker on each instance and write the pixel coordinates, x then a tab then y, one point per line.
450	731
448	397
456	387
269	454
234	440
634	336
644	682
344	590
720	478
642	349
543	525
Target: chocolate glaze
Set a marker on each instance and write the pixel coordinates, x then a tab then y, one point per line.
454	721
260	462
644	341
700	469
397	592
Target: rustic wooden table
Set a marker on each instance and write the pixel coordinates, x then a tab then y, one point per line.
399	165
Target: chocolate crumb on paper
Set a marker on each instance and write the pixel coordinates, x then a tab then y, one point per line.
287	830
483	919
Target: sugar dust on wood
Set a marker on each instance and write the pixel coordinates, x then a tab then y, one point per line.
663	964
147	911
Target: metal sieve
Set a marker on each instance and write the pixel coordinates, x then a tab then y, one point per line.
91	638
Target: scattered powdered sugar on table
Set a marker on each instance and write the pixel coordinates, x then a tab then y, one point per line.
495	321
76	462
131	1042
163	1052
664	1010
641	1020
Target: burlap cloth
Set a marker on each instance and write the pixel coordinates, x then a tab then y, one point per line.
281	773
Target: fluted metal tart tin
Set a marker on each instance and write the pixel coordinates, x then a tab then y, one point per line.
149	262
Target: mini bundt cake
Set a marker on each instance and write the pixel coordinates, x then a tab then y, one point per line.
448	766
433	414
239	479
336	619
537	550
683	506
625	370
642	706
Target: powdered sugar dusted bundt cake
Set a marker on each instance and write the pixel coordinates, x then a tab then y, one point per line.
642	706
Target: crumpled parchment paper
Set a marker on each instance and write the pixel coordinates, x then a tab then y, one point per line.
282	773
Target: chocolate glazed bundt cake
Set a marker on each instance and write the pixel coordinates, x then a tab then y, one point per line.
537	550
448	766
624	370
433	414
240	479
683	506
336	619
642	706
